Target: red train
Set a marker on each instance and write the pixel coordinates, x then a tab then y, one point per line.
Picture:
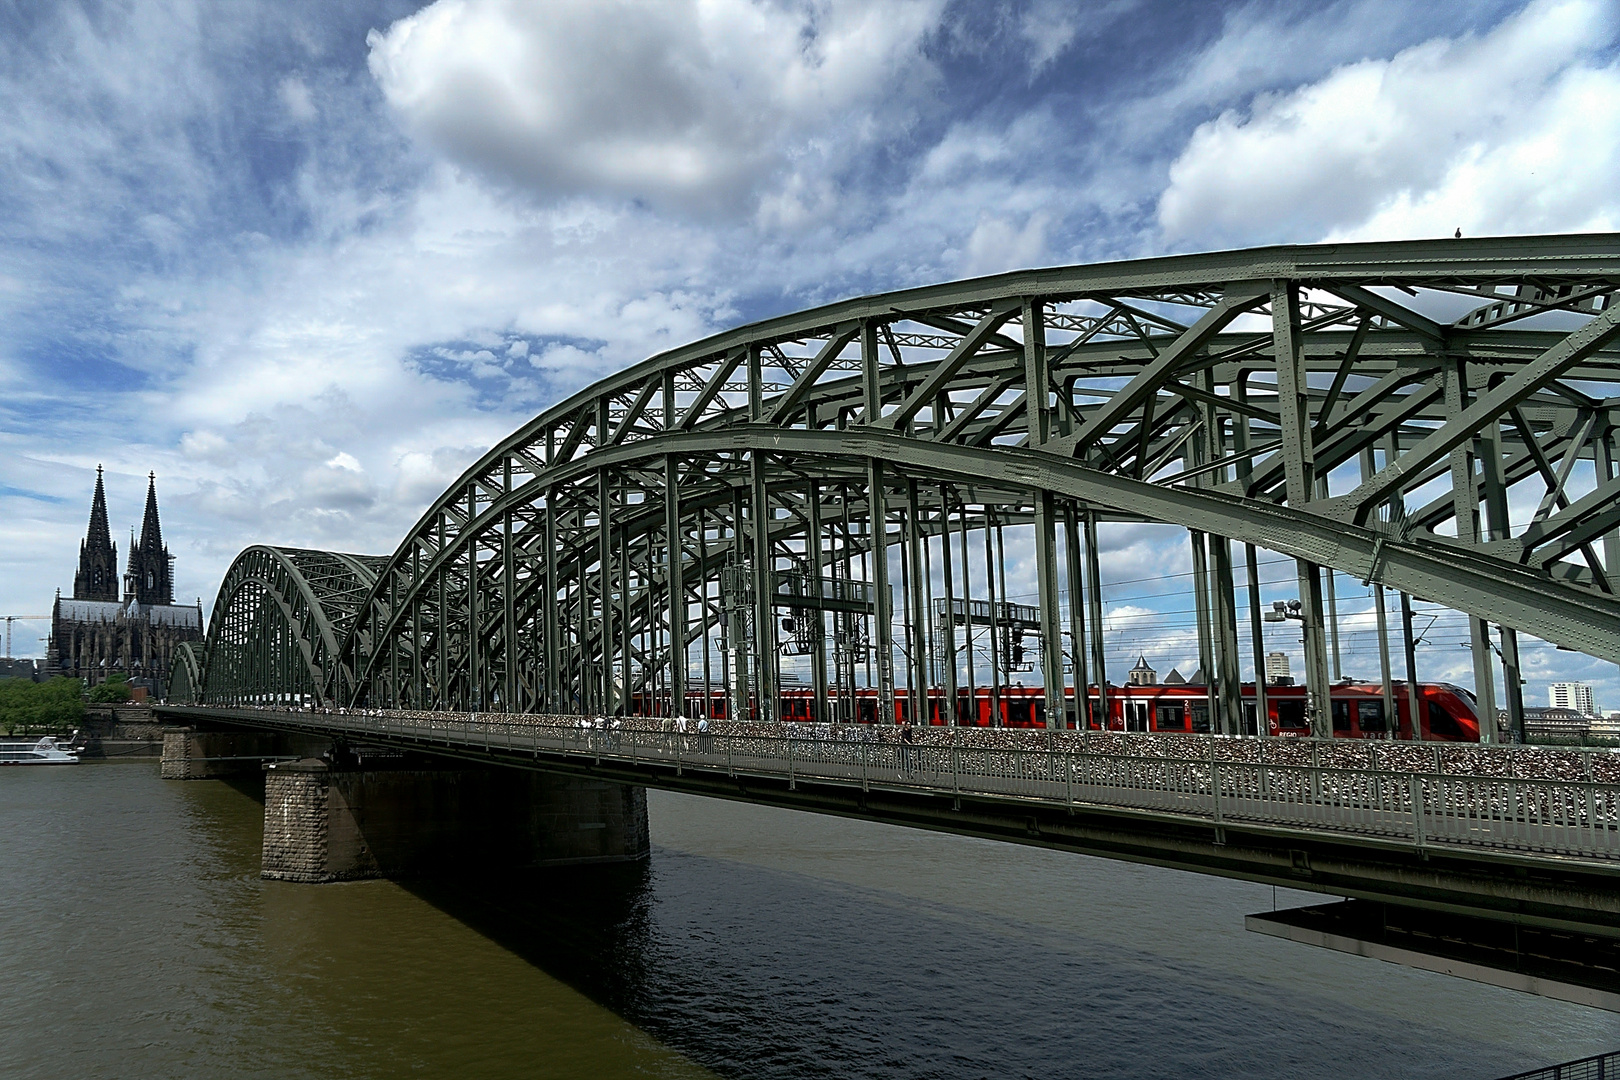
1446	713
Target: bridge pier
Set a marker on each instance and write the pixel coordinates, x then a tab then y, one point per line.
329	823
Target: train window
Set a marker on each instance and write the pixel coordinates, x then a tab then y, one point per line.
1172	718
868	711
1442	725
1341	716
1200	718
1291	714
1370	715
1018	714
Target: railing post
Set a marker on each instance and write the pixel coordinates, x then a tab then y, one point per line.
1418	800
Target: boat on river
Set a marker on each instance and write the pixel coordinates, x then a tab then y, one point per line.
42	751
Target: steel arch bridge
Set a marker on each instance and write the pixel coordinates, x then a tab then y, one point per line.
1435	417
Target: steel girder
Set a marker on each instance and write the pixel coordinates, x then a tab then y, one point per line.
1437	417
278	624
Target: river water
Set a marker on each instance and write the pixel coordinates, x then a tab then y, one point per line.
136	940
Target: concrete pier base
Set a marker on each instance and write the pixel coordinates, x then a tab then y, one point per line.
333	824
215	755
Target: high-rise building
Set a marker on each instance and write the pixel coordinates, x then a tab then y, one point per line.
1572	695
1278	673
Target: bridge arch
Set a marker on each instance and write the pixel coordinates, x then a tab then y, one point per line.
277	626
797	488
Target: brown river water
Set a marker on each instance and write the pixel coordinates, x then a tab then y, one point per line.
136	940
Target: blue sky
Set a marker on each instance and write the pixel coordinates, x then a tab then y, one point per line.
306	261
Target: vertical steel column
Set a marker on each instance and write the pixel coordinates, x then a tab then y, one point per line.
764	557
995	619
1038	411
1226	678
604	541
764	586
918	691
1257	639
1414	701
675	584
1077	618
879	532
1465	507
1201	615
737	613
475	679
967	618
818	655
417	674
1047	584
878	529
509	596
1498	528
703	607
1226	636
441	640
949	625
1094	604
1299	467
551	607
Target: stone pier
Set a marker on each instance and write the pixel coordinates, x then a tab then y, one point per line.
324	823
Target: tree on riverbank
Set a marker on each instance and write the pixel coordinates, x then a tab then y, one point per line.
28	707
114	691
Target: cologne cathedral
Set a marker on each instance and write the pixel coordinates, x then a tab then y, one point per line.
96	633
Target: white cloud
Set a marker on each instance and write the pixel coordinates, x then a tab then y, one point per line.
297	99
1514	130
683	104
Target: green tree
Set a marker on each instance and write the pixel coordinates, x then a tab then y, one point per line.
55	706
114	690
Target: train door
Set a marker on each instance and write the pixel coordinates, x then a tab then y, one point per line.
866	710
1341	717
1136	716
1251	720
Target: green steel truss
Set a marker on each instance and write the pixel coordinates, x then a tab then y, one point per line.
1435	417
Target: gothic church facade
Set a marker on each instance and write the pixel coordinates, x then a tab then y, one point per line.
97	633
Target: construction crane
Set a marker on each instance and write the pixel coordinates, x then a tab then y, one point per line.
19	618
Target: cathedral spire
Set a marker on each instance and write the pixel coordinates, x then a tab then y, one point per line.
97	577
149	561
151	529
99	535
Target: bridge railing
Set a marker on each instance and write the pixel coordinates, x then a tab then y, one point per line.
1570	818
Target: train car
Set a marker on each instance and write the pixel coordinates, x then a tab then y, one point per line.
1446	713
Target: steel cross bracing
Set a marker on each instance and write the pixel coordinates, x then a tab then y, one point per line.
1434	417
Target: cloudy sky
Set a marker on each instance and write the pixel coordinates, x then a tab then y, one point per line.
306	261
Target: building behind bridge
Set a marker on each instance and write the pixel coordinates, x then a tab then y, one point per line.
96	633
